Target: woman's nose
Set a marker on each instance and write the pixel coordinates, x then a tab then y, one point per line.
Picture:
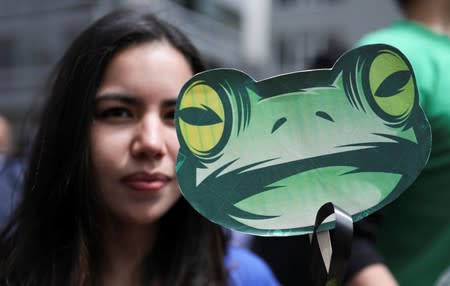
148	141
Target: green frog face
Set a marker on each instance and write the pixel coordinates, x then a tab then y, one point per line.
263	156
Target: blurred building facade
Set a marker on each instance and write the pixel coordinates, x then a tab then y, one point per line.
260	37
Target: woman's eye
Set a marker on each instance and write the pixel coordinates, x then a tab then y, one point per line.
170	115
115	113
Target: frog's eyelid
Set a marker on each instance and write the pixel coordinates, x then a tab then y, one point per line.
324	115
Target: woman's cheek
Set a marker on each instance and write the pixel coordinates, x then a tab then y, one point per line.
109	146
173	144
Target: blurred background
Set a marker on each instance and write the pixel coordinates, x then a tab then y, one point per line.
261	37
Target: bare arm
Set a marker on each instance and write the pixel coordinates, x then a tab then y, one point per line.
373	275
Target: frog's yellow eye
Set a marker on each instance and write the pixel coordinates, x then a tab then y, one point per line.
201	118
392	85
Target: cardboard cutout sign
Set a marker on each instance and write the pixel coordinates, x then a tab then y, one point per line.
263	156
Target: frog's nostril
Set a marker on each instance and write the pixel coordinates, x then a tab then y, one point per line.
324	115
278	124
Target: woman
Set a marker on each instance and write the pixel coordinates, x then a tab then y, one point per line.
101	203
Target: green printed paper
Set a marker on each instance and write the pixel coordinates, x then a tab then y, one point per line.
263	156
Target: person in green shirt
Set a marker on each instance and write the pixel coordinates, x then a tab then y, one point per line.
415	236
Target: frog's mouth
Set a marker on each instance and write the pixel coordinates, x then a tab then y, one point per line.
250	191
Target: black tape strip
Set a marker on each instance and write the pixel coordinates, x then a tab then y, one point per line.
341	242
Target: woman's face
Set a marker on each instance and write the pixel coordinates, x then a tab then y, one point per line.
133	137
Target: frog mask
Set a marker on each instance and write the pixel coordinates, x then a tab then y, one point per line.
263	156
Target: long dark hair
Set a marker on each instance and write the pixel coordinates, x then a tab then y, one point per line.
53	238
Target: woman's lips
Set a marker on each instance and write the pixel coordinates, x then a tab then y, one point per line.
146	182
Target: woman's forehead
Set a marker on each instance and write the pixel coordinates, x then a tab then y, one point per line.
147	68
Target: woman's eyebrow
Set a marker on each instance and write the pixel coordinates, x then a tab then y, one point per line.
124	98
169	103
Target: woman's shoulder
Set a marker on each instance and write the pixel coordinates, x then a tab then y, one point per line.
246	268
